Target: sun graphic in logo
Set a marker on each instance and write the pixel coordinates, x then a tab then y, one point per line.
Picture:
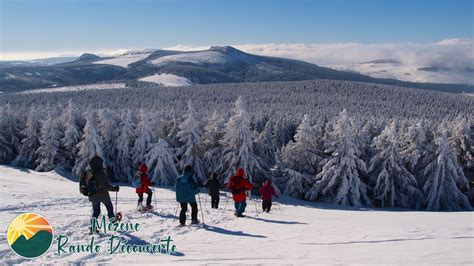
30	235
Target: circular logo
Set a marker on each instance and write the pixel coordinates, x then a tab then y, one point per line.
30	235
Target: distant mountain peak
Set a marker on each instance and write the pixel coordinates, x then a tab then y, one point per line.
86	57
382	61
225	49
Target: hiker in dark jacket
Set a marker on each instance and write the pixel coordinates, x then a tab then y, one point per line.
267	192
213	185
186	190
103	187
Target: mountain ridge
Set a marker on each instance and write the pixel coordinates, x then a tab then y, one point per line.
218	64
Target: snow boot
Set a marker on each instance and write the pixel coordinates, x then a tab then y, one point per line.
240	215
195	221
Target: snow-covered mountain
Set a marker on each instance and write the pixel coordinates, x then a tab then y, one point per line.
218	64
295	232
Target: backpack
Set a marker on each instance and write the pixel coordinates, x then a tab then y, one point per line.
236	185
87	185
137	180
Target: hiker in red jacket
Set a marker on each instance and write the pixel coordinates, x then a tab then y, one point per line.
145	182
238	185
267	192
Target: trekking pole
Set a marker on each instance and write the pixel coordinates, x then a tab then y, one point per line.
118	215
255	201
227	200
176	212
154	196
202	212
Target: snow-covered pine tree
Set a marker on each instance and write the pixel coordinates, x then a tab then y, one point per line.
107	130
282	133
392	184
238	145
50	144
263	146
123	165
303	155
213	133
72	134
339	181
190	136
89	146
160	160
30	143
416	148
10	132
365	137
445	180
144	139
290	182
172	132
462	140
5	151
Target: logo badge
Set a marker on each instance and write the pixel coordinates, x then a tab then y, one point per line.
30	235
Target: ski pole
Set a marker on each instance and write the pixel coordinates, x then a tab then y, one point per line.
202	212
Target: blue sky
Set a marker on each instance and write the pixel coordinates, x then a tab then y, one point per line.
93	25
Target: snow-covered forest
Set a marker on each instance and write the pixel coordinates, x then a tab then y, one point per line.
346	143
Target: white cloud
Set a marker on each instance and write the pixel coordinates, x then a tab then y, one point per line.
452	53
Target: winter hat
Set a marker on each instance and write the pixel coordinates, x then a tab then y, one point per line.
240	172
214	175
143	168
188	169
96	162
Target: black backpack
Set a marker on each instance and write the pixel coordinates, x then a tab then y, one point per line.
87	185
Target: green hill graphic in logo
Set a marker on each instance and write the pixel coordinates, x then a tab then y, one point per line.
30	235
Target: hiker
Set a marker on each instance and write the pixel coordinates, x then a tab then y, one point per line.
266	192
238	186
186	190
144	188
213	185
102	187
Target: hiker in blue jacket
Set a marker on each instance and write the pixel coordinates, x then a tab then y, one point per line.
186	190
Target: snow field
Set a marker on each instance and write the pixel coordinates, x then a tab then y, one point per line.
168	80
299	233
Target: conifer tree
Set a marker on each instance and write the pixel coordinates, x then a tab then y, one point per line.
160	160
445	180
339	181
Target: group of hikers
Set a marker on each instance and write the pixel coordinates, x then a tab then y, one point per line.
95	184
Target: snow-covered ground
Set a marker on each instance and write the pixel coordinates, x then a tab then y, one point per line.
126	58
99	86
168	80
296	232
201	57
